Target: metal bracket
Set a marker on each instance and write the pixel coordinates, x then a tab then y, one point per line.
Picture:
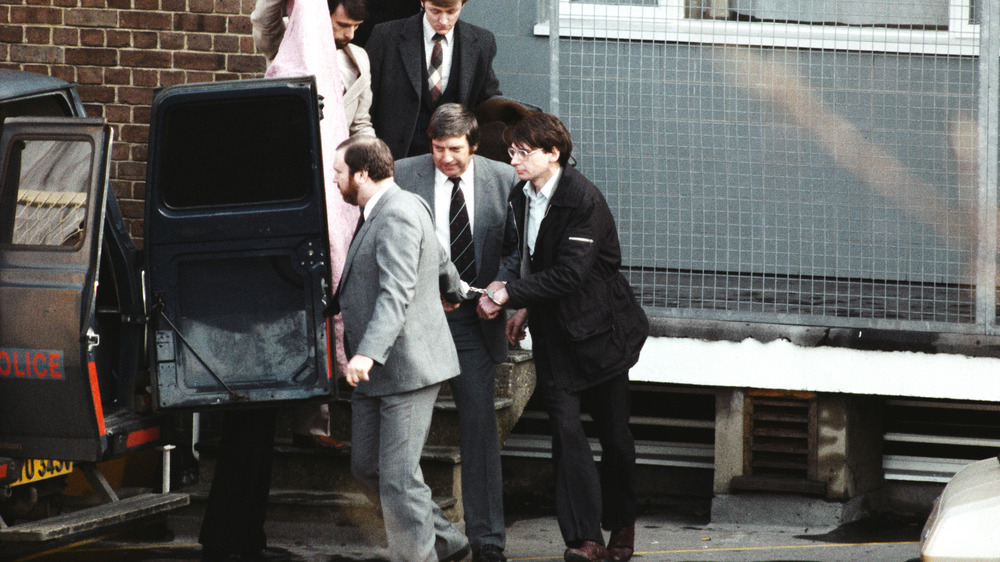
98	482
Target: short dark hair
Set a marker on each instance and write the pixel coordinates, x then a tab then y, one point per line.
454	120
364	153
445	3
356	9
545	131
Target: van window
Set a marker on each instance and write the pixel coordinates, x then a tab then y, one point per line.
49	181
236	152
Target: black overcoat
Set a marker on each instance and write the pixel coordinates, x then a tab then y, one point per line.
585	323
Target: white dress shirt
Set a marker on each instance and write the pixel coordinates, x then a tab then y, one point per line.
442	203
538	204
447	48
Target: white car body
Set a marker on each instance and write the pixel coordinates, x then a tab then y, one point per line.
964	522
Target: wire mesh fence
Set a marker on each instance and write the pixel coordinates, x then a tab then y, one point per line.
817	162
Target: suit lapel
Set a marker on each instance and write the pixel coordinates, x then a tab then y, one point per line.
411	49
352	252
352	91
483	188
468	47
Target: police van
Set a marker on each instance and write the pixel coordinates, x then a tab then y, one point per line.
103	344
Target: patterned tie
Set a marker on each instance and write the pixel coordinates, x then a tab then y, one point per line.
463	255
434	70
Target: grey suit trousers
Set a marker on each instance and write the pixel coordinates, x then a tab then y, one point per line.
387	436
473	390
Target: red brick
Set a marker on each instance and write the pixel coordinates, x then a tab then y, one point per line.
225	43
246	46
119	153
11	34
38	35
92	18
196	77
36	54
200	22
67	73
92	37
199	61
131	207
118	113
117	76
172	77
171	41
140	152
145	78
228	6
199	42
65	3
97	57
141	113
245	63
131	171
61	36
135	95
144	40
122	189
145	58
240	25
90	75
148	5
145	20
116	4
118	38
139	187
173	5
96	94
201	6
36	16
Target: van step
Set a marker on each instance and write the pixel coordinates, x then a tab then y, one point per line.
96	517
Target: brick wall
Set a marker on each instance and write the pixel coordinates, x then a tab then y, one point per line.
119	51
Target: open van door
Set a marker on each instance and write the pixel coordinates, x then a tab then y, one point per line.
237	245
53	173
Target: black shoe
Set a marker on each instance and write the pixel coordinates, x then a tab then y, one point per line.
489	553
459	554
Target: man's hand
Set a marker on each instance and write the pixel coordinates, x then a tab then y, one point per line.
358	368
488	308
449	306
515	326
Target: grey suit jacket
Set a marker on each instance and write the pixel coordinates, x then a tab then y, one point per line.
268	30
493	182
390	297
397	56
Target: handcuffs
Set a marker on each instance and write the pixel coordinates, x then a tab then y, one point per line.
490	293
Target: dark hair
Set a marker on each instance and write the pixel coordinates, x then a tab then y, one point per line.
356	9
445	3
363	153
454	120
545	131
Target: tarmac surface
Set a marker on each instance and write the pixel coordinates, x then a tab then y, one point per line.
676	534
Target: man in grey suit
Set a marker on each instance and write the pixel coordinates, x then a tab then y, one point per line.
485	186
421	62
355	69
396	278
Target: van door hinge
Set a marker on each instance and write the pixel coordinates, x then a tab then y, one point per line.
93	339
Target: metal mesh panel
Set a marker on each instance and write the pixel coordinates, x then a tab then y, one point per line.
809	161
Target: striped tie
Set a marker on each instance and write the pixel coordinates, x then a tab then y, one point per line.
434	70
463	255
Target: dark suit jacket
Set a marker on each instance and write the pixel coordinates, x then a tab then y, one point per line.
586	326
493	182
396	50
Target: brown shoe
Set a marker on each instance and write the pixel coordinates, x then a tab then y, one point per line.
621	545
586	552
316	442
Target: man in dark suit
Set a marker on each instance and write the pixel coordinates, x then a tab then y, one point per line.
421	62
395	279
586	330
447	178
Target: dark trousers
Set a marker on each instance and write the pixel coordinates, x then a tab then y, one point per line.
588	498
474	393
237	501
